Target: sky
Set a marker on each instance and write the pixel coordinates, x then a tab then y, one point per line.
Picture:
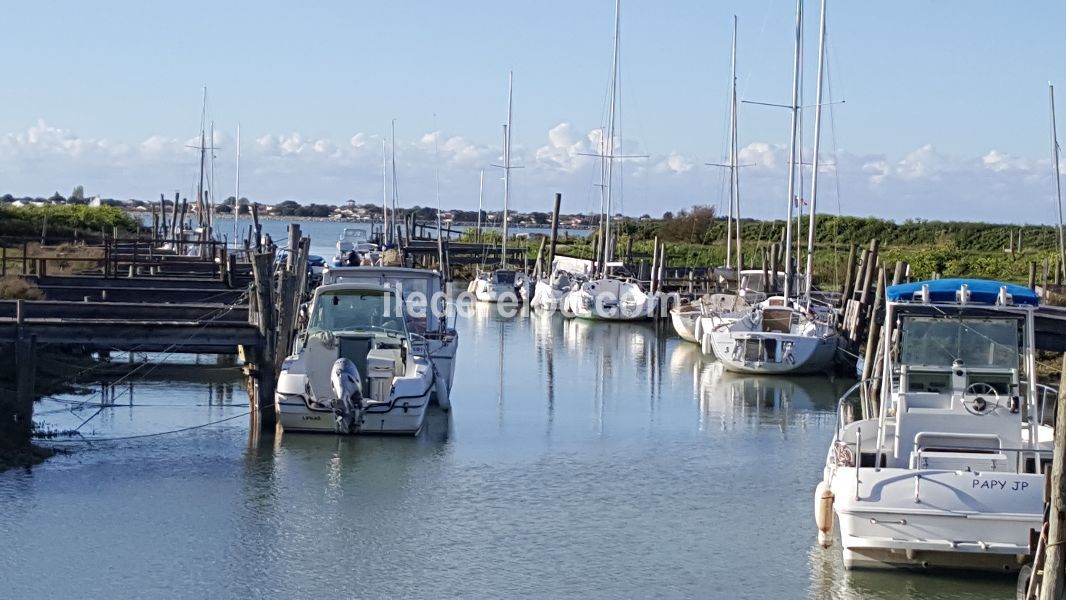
944	111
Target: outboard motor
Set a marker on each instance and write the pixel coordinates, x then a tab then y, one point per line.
347	387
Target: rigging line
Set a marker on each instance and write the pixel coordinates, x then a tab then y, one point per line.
836	170
166	354
89	440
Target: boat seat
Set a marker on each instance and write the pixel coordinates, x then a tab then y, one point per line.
979	461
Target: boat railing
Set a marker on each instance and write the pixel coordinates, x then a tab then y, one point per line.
1046	398
859	393
1019	453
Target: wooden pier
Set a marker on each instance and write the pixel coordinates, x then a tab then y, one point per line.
139	298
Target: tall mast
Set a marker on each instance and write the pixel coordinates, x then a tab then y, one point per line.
814	169
384	191
480	197
203	154
1058	175
394	190
608	246
237	191
732	114
734	171
210	199
792	148
506	170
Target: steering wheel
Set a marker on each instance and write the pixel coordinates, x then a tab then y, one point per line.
979	405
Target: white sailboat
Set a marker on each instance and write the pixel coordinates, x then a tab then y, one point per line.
607	297
782	334
943	467
501	285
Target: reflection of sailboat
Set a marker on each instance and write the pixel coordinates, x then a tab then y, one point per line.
735	399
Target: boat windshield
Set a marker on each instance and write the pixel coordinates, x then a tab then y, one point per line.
357	310
351	234
977	342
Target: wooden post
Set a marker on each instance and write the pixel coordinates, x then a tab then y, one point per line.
849	274
538	267
874	330
555	228
174	220
860	274
265	376
765	274
1053	586
654	265
257	228
25	378
3	261
775	266
869	275
1043	280
25	259
897	276
1032	275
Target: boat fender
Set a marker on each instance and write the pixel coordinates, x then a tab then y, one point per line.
706	344
823	514
697	329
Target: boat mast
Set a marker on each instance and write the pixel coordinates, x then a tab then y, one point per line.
1058	175
789	272
394	190
506	171
210	198
237	190
734	171
200	204
480	197
384	191
814	169
608	246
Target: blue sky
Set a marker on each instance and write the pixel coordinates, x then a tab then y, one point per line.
946	101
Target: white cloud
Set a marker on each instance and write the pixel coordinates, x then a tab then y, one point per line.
921	183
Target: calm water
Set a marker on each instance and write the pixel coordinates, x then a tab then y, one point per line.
580	460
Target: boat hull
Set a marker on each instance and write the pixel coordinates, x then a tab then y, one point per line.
685	323
936	519
810	354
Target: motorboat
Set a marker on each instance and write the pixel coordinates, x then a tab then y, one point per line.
938	461
356	369
354	239
429	318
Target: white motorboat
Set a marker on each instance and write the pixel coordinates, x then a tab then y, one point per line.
353	239
356	369
775	337
427	306
943	467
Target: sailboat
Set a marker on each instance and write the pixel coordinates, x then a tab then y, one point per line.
784	334
606	296
501	285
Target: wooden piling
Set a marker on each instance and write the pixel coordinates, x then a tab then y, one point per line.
849	274
872	337
1032	275
868	277
264	376
1053	586
897	275
555	229
654	265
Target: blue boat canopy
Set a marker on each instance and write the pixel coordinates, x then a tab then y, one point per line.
982	291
